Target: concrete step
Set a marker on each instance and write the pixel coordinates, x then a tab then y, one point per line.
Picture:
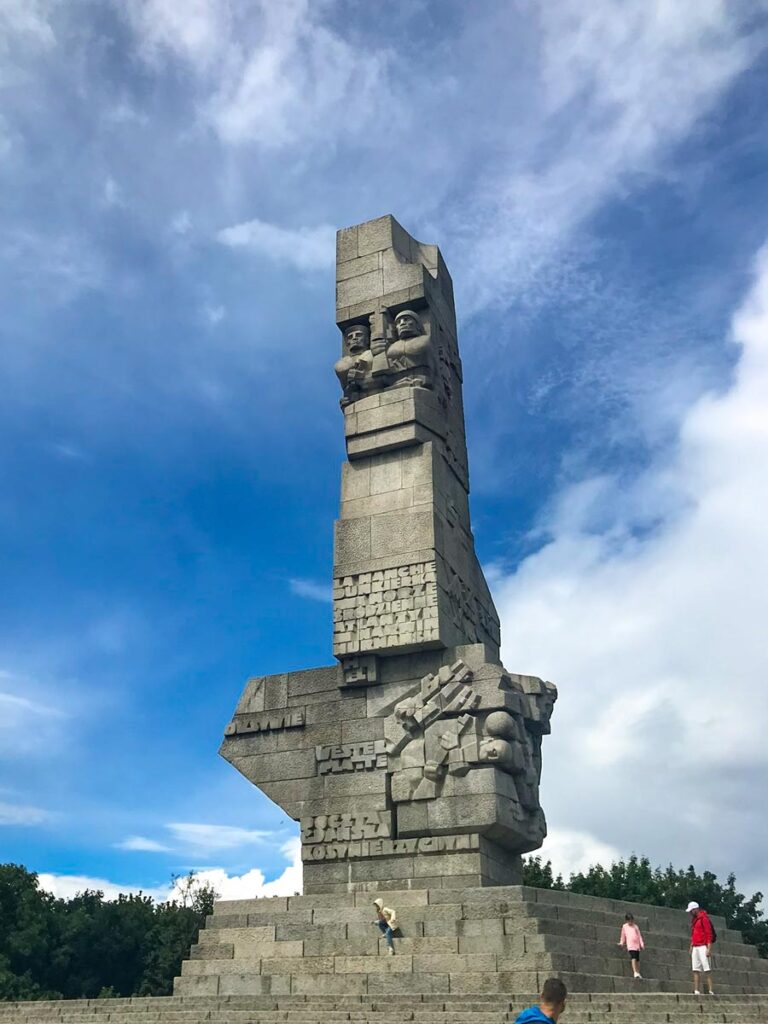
474	896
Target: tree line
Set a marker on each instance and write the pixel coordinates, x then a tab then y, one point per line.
634	879
89	946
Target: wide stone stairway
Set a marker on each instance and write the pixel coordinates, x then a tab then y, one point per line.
462	955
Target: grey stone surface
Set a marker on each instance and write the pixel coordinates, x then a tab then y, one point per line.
457	943
415	761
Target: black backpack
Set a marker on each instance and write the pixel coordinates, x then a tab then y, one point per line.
714	933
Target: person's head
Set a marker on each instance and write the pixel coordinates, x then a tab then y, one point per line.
357	337
692	908
629	918
407	324
553	996
379	904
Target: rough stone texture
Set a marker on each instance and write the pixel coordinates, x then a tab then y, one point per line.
415	761
460	942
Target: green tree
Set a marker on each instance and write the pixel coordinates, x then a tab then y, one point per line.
88	946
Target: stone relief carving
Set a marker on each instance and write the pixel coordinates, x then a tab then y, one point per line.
385	608
271	721
442	729
389	351
354	367
345	828
468	612
351	757
389	847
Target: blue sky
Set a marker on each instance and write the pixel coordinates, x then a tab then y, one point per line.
171	177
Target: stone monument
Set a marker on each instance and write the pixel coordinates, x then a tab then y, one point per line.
414	761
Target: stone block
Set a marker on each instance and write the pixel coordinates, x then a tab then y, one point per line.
251	950
313	680
401	275
196	986
357	267
355	480
211	951
390	501
289	764
412	819
417	984
352	540
375	235
400	964
298	965
361	729
349	707
254	984
386	440
252	699
324	985
450	963
374	868
397	533
346	245
364	289
261	918
386	473
517	981
476	930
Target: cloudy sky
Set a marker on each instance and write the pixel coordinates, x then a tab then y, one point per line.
171	178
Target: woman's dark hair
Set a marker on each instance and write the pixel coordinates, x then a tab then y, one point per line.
629	917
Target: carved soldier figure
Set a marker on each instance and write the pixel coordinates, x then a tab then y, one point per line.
411	351
354	368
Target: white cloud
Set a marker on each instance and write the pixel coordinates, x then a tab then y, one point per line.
62	266
311	589
249	885
181	223
18	814
303	248
213	314
217	837
142	844
571	851
252	884
24	22
67	886
29	725
602	118
112	194
270	74
656	636
67	451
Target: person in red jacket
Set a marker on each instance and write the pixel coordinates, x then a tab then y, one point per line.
701	946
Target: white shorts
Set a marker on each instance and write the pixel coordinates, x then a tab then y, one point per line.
699	959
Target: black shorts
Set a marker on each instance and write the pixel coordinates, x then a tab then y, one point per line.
634	954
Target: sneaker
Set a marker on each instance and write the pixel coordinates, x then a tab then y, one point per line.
711	992
638	977
391	951
696	992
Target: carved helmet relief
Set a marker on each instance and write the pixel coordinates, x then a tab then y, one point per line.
408	324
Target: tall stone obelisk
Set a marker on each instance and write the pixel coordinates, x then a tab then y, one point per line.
415	760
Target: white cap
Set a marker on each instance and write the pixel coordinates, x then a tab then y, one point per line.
691	906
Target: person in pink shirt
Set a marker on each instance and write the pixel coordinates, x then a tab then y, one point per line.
631	937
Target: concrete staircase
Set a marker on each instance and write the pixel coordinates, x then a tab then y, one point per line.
474	955
454	941
582	1008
